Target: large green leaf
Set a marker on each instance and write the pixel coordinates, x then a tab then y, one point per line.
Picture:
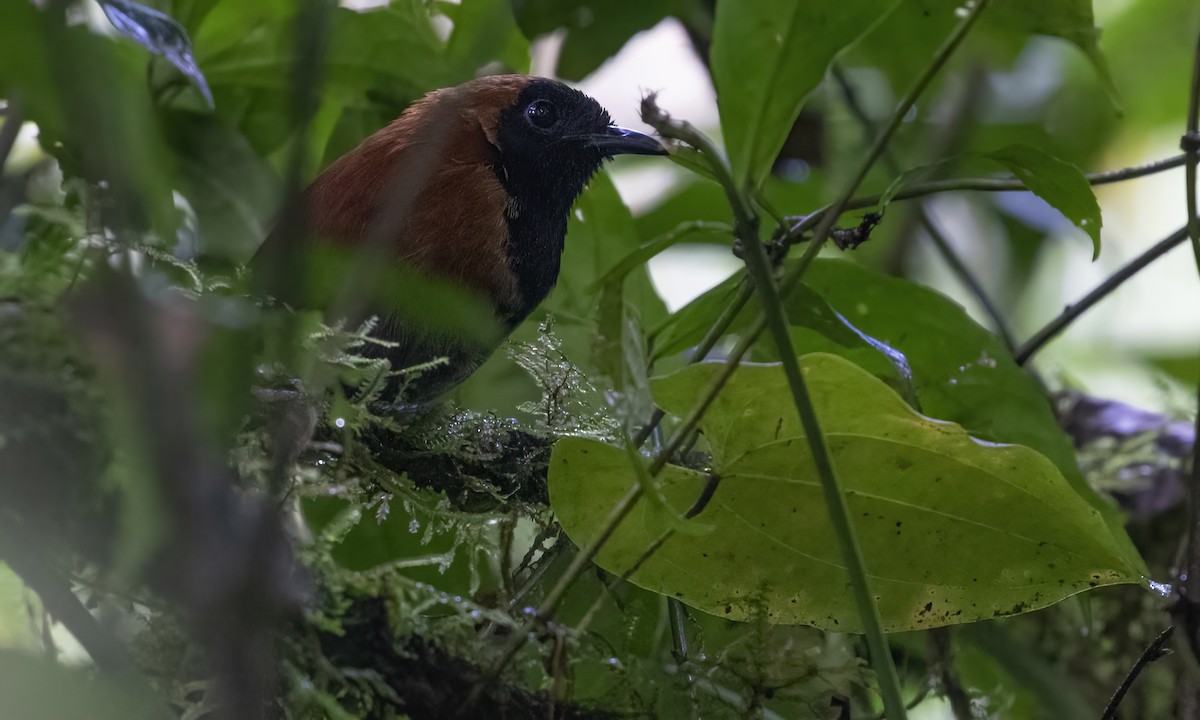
767	56
962	372
952	529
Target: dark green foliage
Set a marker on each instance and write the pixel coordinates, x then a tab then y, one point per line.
215	497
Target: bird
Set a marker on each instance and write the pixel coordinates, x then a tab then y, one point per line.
469	188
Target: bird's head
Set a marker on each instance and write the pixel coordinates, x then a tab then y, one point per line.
552	138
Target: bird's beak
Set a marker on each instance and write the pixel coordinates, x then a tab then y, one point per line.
620	141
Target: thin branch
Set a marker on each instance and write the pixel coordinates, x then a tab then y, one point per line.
1153	651
62	604
835	500
1072	312
802	224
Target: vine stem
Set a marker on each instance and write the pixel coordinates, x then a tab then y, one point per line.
1190	590
1191	147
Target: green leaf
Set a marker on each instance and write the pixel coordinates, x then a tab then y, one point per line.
924	497
233	192
1184	368
1059	183
767	57
594	31
485	30
962	372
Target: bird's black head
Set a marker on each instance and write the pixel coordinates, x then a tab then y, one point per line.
550	142
553	139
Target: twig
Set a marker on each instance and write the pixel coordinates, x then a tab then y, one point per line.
915	191
1153	651
839	515
1072	312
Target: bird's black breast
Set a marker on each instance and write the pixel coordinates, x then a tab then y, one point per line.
535	245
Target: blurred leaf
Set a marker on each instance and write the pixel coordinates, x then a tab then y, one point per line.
595	31
923	494
484	30
392	49
87	94
160	34
233	192
409	534
789	45
1025	669
1150	43
230	23
34	688
16	615
1060	184
1184	368
692	200
1003	33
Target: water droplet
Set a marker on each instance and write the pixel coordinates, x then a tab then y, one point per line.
340	422
793	170
1163	589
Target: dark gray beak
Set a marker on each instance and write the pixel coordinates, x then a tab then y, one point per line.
619	141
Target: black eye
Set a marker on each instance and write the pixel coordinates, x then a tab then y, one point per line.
542	114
